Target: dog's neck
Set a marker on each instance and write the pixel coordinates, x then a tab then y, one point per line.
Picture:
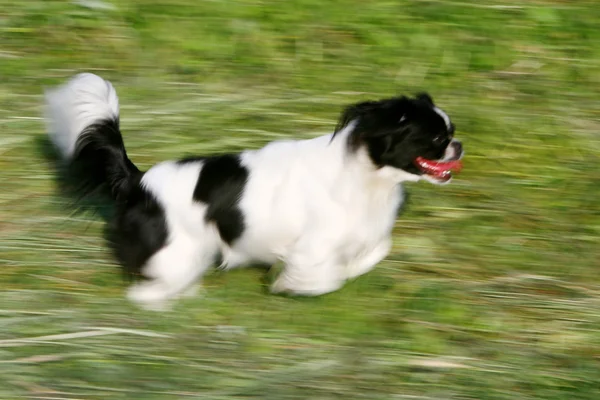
358	163
355	181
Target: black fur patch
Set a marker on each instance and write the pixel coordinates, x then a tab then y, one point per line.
100	160
139	230
100	167
220	186
396	131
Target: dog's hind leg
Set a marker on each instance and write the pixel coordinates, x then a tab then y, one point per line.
172	271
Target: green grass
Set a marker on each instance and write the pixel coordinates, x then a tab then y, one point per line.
492	289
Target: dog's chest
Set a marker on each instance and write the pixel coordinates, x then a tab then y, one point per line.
370	221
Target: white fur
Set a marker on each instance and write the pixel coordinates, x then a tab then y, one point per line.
326	213
445	116
192	245
82	101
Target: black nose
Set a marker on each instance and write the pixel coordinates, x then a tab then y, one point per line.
457	147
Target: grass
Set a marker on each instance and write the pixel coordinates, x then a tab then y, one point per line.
492	289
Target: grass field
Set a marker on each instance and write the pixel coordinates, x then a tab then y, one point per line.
492	290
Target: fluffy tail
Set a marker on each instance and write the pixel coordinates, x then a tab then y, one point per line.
83	123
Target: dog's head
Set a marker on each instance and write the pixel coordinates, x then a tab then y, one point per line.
409	134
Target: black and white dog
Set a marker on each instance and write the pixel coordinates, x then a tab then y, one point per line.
325	207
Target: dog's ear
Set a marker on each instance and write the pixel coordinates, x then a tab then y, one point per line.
379	126
425	97
355	112
374	115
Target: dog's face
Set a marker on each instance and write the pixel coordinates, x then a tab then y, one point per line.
410	134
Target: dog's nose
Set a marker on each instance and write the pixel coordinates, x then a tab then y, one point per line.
457	148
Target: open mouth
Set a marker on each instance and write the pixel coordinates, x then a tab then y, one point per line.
440	170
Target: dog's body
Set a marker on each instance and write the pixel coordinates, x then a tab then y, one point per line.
325	206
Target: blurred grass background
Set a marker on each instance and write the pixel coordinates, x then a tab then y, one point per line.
492	289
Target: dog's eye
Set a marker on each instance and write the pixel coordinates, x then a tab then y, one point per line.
439	138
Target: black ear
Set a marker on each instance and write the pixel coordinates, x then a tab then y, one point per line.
373	115
425	97
354	112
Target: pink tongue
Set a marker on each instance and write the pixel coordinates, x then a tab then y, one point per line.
438	168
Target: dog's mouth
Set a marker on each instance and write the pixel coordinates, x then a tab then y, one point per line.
437	169
441	170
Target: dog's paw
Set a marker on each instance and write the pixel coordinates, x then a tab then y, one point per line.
150	296
190	292
284	285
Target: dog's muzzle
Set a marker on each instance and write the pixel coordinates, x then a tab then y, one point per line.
441	170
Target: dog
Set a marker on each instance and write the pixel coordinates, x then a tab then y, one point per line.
324	207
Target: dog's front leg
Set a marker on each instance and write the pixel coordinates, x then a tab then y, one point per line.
311	269
368	260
